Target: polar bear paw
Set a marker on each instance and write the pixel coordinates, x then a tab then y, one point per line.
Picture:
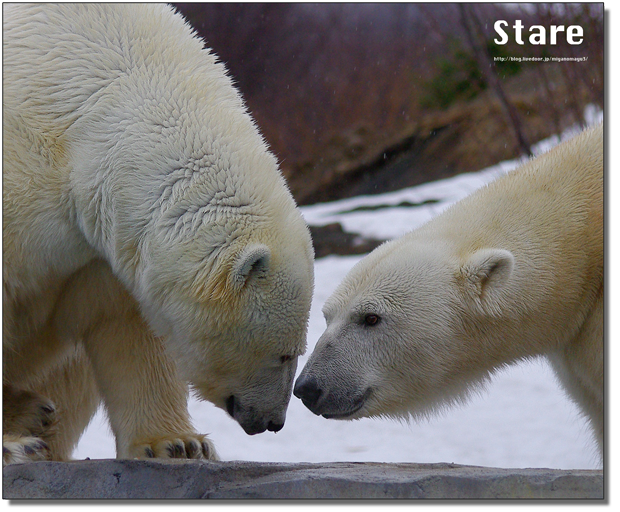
28	421
27	414
175	446
17	449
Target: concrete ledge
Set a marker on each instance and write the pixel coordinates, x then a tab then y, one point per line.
176	479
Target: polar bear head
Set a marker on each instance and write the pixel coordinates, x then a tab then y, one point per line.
398	338
232	298
226	276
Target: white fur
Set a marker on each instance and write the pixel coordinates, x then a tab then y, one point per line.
143	216
514	271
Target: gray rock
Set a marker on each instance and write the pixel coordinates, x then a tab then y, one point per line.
332	239
180	479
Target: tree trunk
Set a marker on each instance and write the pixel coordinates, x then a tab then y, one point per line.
471	24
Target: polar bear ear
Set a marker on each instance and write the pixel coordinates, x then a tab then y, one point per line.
252	260
486	273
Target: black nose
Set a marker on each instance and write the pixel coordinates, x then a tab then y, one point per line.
308	390
274	427
230	405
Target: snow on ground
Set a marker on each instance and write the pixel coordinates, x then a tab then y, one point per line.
522	419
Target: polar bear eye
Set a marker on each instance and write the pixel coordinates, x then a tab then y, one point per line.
371	319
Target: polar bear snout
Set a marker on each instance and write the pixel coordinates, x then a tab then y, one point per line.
307	390
328	399
251	420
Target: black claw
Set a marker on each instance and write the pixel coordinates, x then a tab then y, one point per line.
29	450
149	453
48	409
193	450
176	451
206	450
41	445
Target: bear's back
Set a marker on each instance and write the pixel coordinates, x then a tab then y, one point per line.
60	57
556	199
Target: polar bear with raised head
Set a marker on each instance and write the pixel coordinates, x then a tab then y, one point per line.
511	272
149	239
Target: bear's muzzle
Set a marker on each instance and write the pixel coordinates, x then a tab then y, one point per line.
251	422
331	404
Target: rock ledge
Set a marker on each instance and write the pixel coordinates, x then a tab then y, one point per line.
139	479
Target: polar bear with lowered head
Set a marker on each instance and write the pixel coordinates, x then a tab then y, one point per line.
513	271
149	238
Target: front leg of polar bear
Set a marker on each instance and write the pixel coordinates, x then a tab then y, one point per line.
145	400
